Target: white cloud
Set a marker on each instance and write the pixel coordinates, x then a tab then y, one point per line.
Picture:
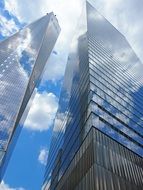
43	155
42	112
8	27
4	186
55	67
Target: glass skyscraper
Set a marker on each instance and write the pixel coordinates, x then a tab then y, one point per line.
97	141
22	60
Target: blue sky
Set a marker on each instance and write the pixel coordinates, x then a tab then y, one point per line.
26	167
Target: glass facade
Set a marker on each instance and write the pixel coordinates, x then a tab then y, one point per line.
99	141
23	57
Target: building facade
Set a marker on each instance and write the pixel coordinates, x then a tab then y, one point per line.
23	57
97	141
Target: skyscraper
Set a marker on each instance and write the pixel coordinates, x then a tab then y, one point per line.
97	141
23	57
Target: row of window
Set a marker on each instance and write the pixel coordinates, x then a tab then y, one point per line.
112	107
108	117
125	99
115	64
115	84
111	97
126	83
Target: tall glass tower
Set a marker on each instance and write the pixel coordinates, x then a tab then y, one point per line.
97	141
22	60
